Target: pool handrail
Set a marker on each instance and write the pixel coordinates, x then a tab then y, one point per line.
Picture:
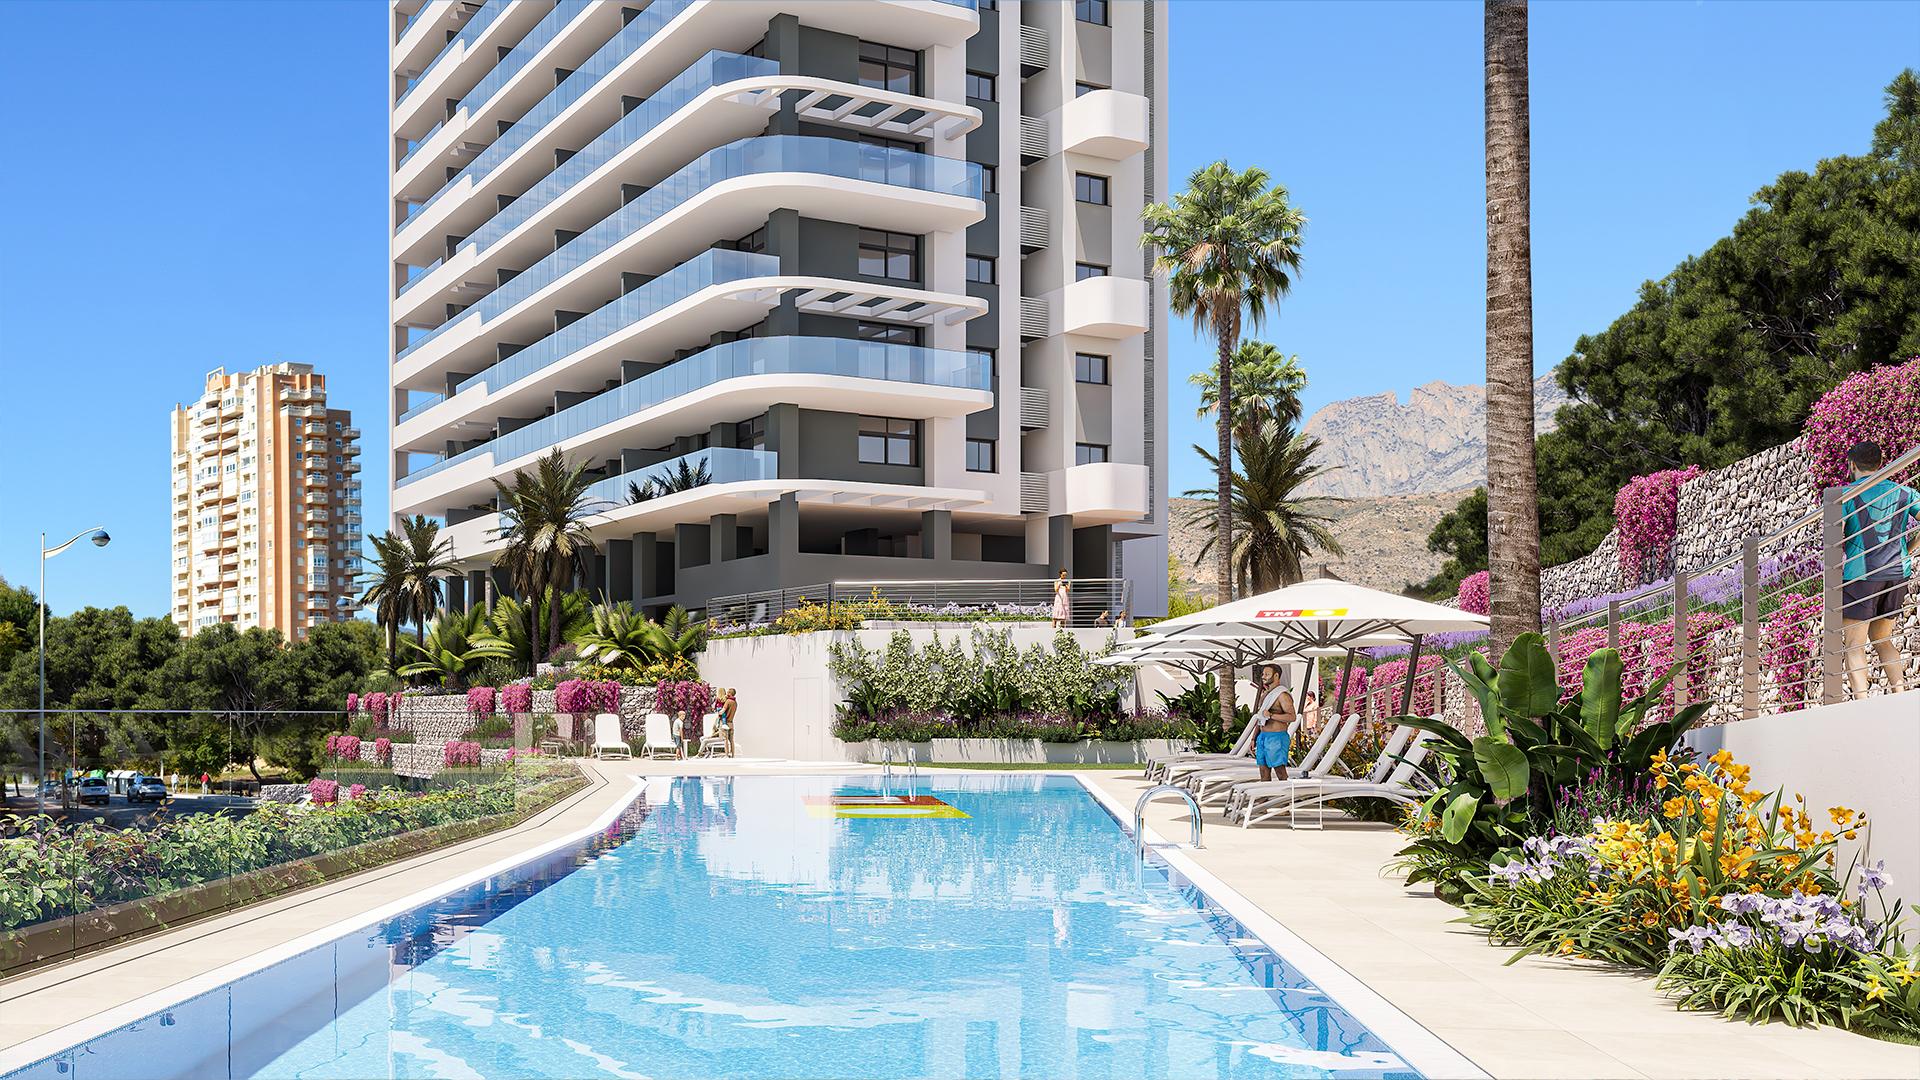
1140	814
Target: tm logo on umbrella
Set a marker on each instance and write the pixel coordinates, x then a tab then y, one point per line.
1302	613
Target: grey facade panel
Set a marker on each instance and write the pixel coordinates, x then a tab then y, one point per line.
830	450
1096	232
1095	403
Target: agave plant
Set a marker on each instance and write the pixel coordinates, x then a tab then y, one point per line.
684	476
458	643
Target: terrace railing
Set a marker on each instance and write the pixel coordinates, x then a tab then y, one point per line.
1760	629
1091	601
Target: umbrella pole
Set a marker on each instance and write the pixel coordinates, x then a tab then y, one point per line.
1413	665
1346	672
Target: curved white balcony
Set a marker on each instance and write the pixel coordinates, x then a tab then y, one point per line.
725	192
739	481
1109	124
719	98
1105	307
1100	493
726	382
462	62
718	291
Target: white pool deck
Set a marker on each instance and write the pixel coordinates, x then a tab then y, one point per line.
1535	1018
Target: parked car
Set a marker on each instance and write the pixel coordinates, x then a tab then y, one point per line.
50	789
146	789
93	789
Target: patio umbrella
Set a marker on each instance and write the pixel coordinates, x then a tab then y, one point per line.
1326	614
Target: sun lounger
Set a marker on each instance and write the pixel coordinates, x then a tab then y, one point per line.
1216	785
1279	798
1242	747
712	743
607	740
660	737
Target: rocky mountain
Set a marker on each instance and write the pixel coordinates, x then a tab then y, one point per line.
1435	441
1385	540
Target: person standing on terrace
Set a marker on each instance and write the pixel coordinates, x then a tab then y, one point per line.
1876	520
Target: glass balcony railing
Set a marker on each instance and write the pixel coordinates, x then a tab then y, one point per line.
723	465
744	157
538	38
710	267
463	38
736	359
609	56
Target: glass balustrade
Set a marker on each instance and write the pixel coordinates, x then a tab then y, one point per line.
463	38
609	56
712	267
722	465
736	359
755	156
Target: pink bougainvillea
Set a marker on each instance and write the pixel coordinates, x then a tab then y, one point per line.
376	703
460	753
1475	595
1789	644
582	696
1330	692
1881	405
353	703
689	696
480	701
324	792
516	698
1646	513
1386	692
356	791
383	751
343	747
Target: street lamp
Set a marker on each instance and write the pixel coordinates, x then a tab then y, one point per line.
100	539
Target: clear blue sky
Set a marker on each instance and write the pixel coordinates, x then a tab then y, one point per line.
205	188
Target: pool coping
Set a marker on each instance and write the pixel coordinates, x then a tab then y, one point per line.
1420	1048
70	1036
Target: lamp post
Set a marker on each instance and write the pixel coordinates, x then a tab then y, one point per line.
100	539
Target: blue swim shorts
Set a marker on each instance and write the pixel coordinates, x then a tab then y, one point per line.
1271	748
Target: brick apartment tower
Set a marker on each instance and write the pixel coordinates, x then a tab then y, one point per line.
266	503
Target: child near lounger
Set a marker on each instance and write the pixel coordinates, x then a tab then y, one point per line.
1274	744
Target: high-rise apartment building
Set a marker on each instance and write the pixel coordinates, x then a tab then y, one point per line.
266	503
817	289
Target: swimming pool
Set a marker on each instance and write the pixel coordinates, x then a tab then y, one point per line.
787	926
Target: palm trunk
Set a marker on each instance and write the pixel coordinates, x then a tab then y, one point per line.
1223	512
1513	506
553	610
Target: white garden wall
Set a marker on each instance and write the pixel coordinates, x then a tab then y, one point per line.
1861	754
787	698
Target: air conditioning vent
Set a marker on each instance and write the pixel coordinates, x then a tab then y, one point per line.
1033	51
1033	317
1033	139
1034	413
1033	493
1033	229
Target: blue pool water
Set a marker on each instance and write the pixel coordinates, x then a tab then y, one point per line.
723	928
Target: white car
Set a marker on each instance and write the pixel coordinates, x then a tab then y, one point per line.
147	789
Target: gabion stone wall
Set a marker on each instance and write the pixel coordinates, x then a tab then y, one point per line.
442	718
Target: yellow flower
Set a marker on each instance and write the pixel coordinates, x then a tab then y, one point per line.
1649	920
1674	807
1660	782
1722	758
1851	835
1840	814
1874	990
1908	971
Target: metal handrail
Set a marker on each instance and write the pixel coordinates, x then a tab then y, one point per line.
1140	815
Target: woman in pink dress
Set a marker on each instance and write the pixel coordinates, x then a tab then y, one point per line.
1060	590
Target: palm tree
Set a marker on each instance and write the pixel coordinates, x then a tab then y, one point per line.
1227	246
1513	503
520	624
427	559
1266	382
459	642
544	520
386	589
685	476
619	637
1275	529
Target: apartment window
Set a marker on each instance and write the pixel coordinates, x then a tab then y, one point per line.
980	453
980	270
1091	11
901	145
1087	453
751	434
888	333
1082	89
989	179
885	67
1089	368
979	87
891	255
754	241
1088	188
888	441
1083	271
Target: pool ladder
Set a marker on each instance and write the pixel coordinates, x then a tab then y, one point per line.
1140	815
886	771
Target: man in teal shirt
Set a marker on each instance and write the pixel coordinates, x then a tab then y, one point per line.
1875	520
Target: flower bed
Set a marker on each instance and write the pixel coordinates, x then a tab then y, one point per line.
1881	405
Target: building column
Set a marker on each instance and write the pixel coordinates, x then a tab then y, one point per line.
783	439
646	566
619	576
936	534
456	589
723	539
479	589
1060	544
690	545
